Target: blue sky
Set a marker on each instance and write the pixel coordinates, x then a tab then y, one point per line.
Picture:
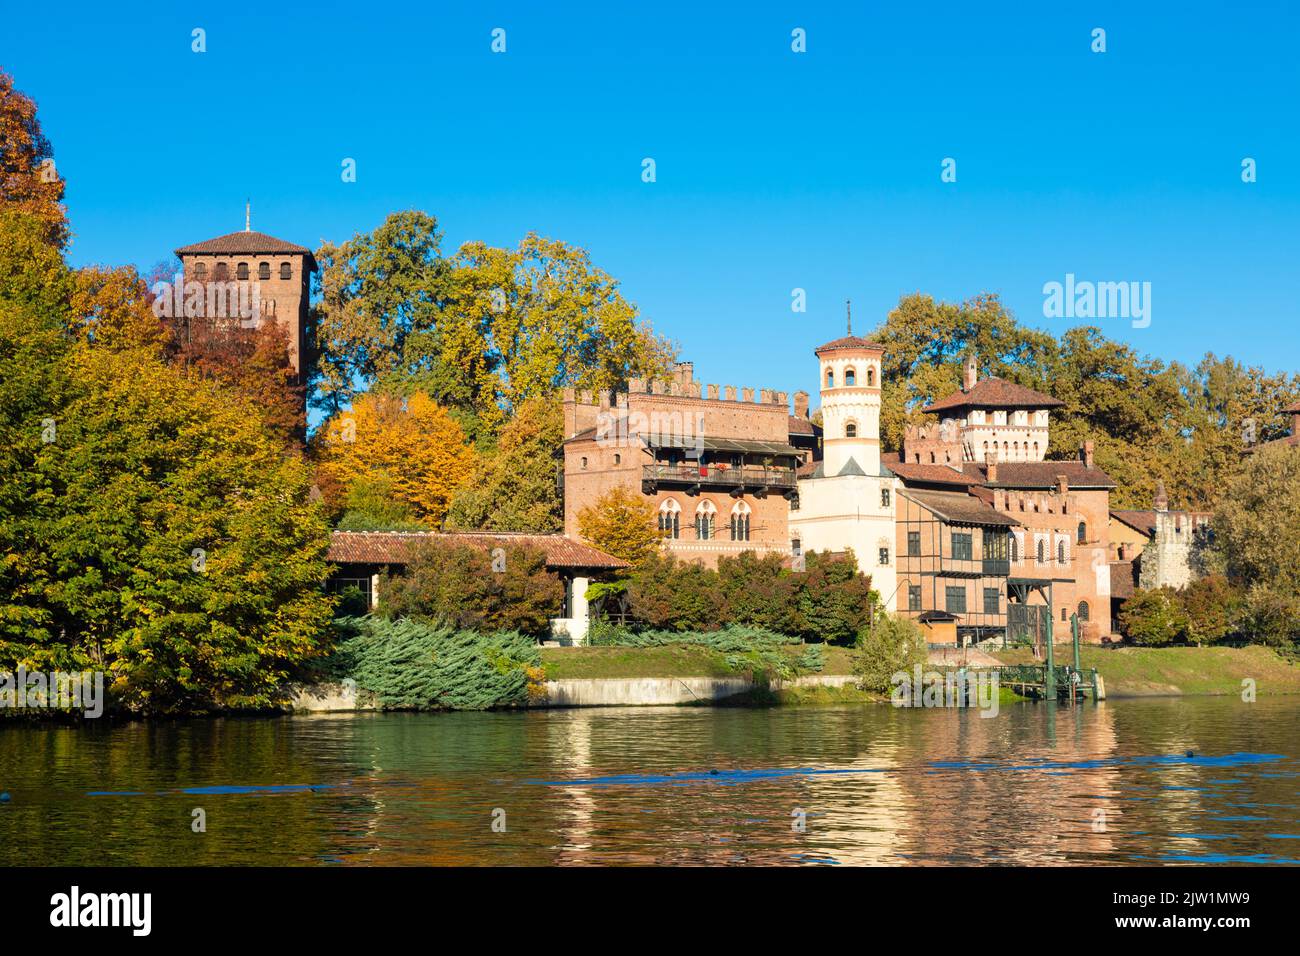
775	170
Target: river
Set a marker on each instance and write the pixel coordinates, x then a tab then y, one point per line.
1171	780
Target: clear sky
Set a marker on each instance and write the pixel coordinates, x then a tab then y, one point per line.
775	170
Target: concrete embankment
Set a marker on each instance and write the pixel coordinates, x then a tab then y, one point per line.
595	692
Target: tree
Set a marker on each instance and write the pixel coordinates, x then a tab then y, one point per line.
372	505
621	523
1154	618
516	489
1213	607
410	442
760	592
1257	521
836	600
891	644
456	584
29	180
677	595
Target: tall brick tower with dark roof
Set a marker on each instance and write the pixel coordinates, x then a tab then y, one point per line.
279	271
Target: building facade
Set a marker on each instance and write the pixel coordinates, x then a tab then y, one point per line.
846	501
717	465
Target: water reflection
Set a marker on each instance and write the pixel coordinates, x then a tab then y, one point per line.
1173	781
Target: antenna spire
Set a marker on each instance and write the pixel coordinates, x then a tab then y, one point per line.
848	311
248	216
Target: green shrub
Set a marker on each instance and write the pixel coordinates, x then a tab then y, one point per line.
415	664
1154	618
891	644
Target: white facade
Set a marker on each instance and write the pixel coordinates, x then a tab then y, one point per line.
851	506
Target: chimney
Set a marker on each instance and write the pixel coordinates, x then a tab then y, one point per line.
1161	502
1085	453
991	463
970	373
801	404
1062	485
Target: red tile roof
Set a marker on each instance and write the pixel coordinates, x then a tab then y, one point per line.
1043	474
801	426
1144	522
961	508
932	474
848	342
1123	579
396	547
243	243
994	392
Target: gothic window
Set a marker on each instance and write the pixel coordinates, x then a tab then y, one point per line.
286	270
705	517
850	377
670	519
264	270
740	522
1015	550
1042	551
1083	532
1062	554
241	270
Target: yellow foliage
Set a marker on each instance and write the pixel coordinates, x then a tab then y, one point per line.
621	523
412	442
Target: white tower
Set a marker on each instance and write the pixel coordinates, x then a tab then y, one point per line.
850	400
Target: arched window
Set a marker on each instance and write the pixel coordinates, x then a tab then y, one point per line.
1060	551
1083	532
850	377
851	430
286	270
932	458
1015	449
705	517
1015	550
584	462
241	270
618	459
986	450
740	522
1083	610
670	519
222	271
1042	551
871	378
1035	450
200	270
264	270
830	379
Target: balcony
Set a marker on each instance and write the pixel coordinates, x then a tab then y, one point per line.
736	479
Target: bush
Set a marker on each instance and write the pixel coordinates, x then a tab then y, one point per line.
1271	616
454	584
416	664
1154	618
891	644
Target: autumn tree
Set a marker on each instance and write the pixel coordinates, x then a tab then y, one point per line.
621	523
1257	521
410	442
29	181
517	488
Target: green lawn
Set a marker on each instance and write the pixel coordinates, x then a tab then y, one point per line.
1154	671
683	660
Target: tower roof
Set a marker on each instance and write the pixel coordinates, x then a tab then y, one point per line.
849	342
993	392
245	243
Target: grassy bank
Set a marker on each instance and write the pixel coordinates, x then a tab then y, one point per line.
586	663
1162	671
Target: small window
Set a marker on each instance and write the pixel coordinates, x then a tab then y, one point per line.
1060	552
201	270
830	379
913	544
618	459
914	597
871	378
222	271
992	601
1042	551
850	430
286	270
1015	550
264	270
1065	614
1083	610
1083	533
884	497
961	546
884	556
584	462
850	377
955	600
241	270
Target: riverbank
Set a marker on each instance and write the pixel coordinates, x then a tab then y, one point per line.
1179	671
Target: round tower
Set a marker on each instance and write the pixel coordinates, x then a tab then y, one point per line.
850	400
